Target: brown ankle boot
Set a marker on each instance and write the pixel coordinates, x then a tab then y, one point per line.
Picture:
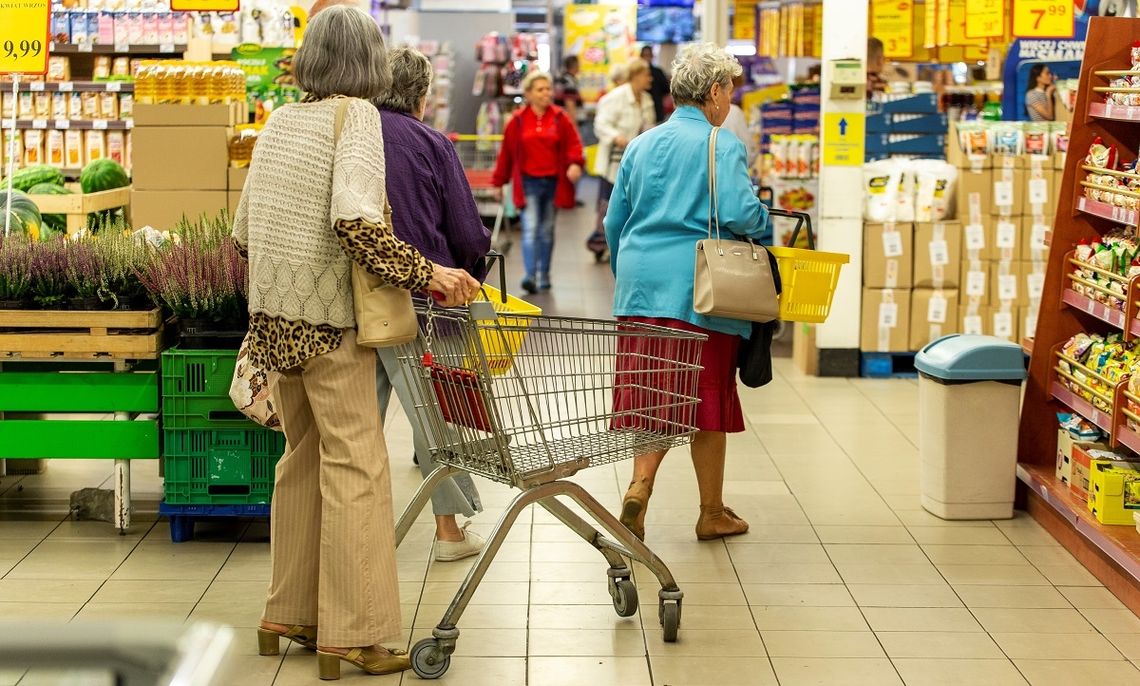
718	523
634	505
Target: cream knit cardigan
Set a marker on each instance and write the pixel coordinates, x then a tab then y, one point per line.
298	186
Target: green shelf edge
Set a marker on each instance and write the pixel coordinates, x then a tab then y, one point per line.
78	439
78	392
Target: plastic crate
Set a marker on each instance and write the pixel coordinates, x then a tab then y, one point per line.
196	390
184	517
220	466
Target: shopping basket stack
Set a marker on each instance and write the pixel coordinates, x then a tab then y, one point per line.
530	400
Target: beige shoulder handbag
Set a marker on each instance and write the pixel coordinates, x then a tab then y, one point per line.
384	314
733	278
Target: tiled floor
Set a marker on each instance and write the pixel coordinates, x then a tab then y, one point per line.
843	580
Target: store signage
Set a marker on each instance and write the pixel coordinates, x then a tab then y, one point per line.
204	5
985	18
24	36
892	21
601	36
744	20
843	139
1043	18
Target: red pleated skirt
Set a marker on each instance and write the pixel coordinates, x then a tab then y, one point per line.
719	407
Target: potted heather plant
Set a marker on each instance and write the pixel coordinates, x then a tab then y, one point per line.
15	273
120	287
48	274
84	273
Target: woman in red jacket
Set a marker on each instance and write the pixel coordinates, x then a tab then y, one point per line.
541	156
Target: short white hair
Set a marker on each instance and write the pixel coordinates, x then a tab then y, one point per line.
411	80
697	68
536	75
619	74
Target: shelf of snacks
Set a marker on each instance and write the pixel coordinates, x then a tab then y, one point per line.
77	86
118	49
65	124
1096	184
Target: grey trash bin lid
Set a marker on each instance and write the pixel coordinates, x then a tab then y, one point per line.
960	357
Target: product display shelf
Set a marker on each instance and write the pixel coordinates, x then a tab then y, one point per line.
77	86
78	205
64	124
1102	110
112	49
1027	345
1111	553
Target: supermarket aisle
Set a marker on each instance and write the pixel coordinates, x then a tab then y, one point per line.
843	580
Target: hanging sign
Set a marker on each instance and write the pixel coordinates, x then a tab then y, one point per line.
1043	18
202	5
24	32
744	20
892	21
985	18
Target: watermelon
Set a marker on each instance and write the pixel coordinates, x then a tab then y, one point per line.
23	179
103	175
56	222
25	215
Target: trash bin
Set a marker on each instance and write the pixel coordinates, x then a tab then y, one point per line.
969	394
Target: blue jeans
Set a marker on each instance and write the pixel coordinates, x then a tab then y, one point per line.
538	224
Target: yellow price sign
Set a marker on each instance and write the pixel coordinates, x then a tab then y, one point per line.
985	18
24	32
1043	18
892	21
203	5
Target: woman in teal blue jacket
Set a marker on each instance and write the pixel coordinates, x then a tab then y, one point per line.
658	211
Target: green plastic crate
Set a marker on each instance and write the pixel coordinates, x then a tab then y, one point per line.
220	466
196	390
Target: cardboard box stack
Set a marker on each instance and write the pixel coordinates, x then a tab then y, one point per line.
905	125
181	161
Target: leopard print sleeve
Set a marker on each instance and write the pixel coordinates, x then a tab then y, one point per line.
379	251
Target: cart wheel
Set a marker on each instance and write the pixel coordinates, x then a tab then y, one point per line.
181	529
429	660
670	621
624	593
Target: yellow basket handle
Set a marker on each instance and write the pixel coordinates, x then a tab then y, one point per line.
491	257
801	218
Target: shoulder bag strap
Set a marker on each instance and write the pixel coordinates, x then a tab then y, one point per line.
338	125
714	210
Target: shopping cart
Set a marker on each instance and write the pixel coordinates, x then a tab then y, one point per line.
579	393
478	154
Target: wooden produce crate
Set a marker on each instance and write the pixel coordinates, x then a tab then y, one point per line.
95	334
78	205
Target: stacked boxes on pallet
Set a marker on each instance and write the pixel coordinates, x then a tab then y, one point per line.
212	454
909	125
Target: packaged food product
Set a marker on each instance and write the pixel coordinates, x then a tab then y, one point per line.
881	184
54	148
61	27
1101	155
27	106
109	105
59	68
121	67
73	148
33	147
1008	139
59	105
116	146
126	106
102	69
42	104
95	146
90	105
75	105
1037	138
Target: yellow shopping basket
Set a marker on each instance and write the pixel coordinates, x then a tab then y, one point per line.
502	339
808	277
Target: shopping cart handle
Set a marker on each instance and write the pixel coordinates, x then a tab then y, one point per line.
491	257
766	195
801	218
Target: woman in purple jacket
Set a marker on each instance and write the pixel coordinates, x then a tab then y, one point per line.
433	210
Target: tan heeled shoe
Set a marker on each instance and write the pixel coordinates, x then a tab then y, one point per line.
634	505
719	523
269	640
372	660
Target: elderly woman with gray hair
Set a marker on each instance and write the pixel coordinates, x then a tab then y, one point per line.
434	211
658	211
312	206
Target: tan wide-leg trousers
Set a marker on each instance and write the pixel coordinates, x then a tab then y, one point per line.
333	535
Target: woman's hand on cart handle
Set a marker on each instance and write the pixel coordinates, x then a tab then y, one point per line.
452	287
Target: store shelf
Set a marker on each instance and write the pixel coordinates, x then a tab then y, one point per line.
64	124
1107	211
77	86
1103	110
87	48
1120	543
1082	407
1027	345
1089	306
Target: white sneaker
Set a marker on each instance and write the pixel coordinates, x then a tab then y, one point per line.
450	551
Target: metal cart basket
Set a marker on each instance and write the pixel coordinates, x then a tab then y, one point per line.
578	393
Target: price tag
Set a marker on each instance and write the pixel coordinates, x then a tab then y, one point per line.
939	253
1090	306
1031	323
114	86
1003	193
62	124
1006	235
985	18
1043	19
122	46
166	48
1037	235
99	124
972	324
36	86
39	123
892	244
893	23
936	310
888	315
24	36
85	47
975	237
1035	285
1007	287
976	284
66	86
1003	324
1038	191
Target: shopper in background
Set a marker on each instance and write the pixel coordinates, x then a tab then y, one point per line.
618	76
541	155
1039	102
566	94
876	63
333	584
434	211
658	212
660	86
737	123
